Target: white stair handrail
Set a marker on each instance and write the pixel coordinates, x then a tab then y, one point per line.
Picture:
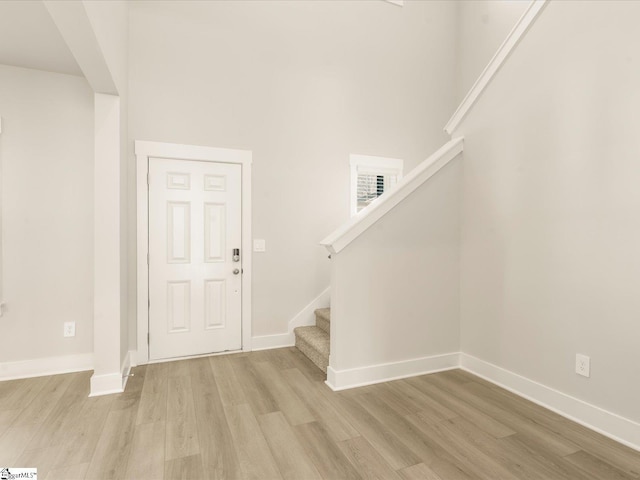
518	31
358	224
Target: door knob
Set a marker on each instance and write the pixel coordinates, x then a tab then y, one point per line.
236	271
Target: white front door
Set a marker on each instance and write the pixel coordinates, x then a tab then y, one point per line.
195	295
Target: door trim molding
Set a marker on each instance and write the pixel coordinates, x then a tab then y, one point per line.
144	150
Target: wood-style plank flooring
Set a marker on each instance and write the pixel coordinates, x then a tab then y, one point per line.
269	415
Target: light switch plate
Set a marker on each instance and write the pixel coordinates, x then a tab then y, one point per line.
259	245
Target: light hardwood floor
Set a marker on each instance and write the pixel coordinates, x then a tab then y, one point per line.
268	415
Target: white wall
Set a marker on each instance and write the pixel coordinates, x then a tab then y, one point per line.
482	27
46	149
550	211
302	85
395	289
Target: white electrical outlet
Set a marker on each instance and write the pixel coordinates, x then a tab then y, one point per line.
69	329
583	365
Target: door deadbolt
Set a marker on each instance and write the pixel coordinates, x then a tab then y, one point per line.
236	254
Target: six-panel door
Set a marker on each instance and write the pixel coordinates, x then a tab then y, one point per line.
194	224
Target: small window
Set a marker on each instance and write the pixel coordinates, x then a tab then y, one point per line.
371	177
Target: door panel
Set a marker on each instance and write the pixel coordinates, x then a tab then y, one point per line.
215	304
194	225
214	232
179	232
178	306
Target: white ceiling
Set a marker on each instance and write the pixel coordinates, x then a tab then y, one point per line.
30	39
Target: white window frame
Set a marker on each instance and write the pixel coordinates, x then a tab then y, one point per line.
144	150
368	164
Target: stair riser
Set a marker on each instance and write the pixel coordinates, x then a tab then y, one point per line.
323	323
317	358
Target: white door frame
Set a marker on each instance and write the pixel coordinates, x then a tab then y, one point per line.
144	150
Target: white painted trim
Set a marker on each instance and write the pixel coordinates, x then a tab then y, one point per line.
106	384
144	150
40	367
247	246
125	369
359	377
267	342
357	225
305	317
113	382
595	418
399	3
142	250
372	165
514	37
370	161
192	152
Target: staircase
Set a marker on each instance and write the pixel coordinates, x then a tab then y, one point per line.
313	341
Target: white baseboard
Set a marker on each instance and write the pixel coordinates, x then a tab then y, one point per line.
602	421
305	317
125	369
106	384
359	377
40	367
109	383
267	342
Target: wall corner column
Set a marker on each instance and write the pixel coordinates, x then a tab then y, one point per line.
107	377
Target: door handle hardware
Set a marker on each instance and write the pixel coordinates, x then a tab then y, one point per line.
236	271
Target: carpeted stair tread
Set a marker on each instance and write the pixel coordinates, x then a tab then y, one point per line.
323	319
314	343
